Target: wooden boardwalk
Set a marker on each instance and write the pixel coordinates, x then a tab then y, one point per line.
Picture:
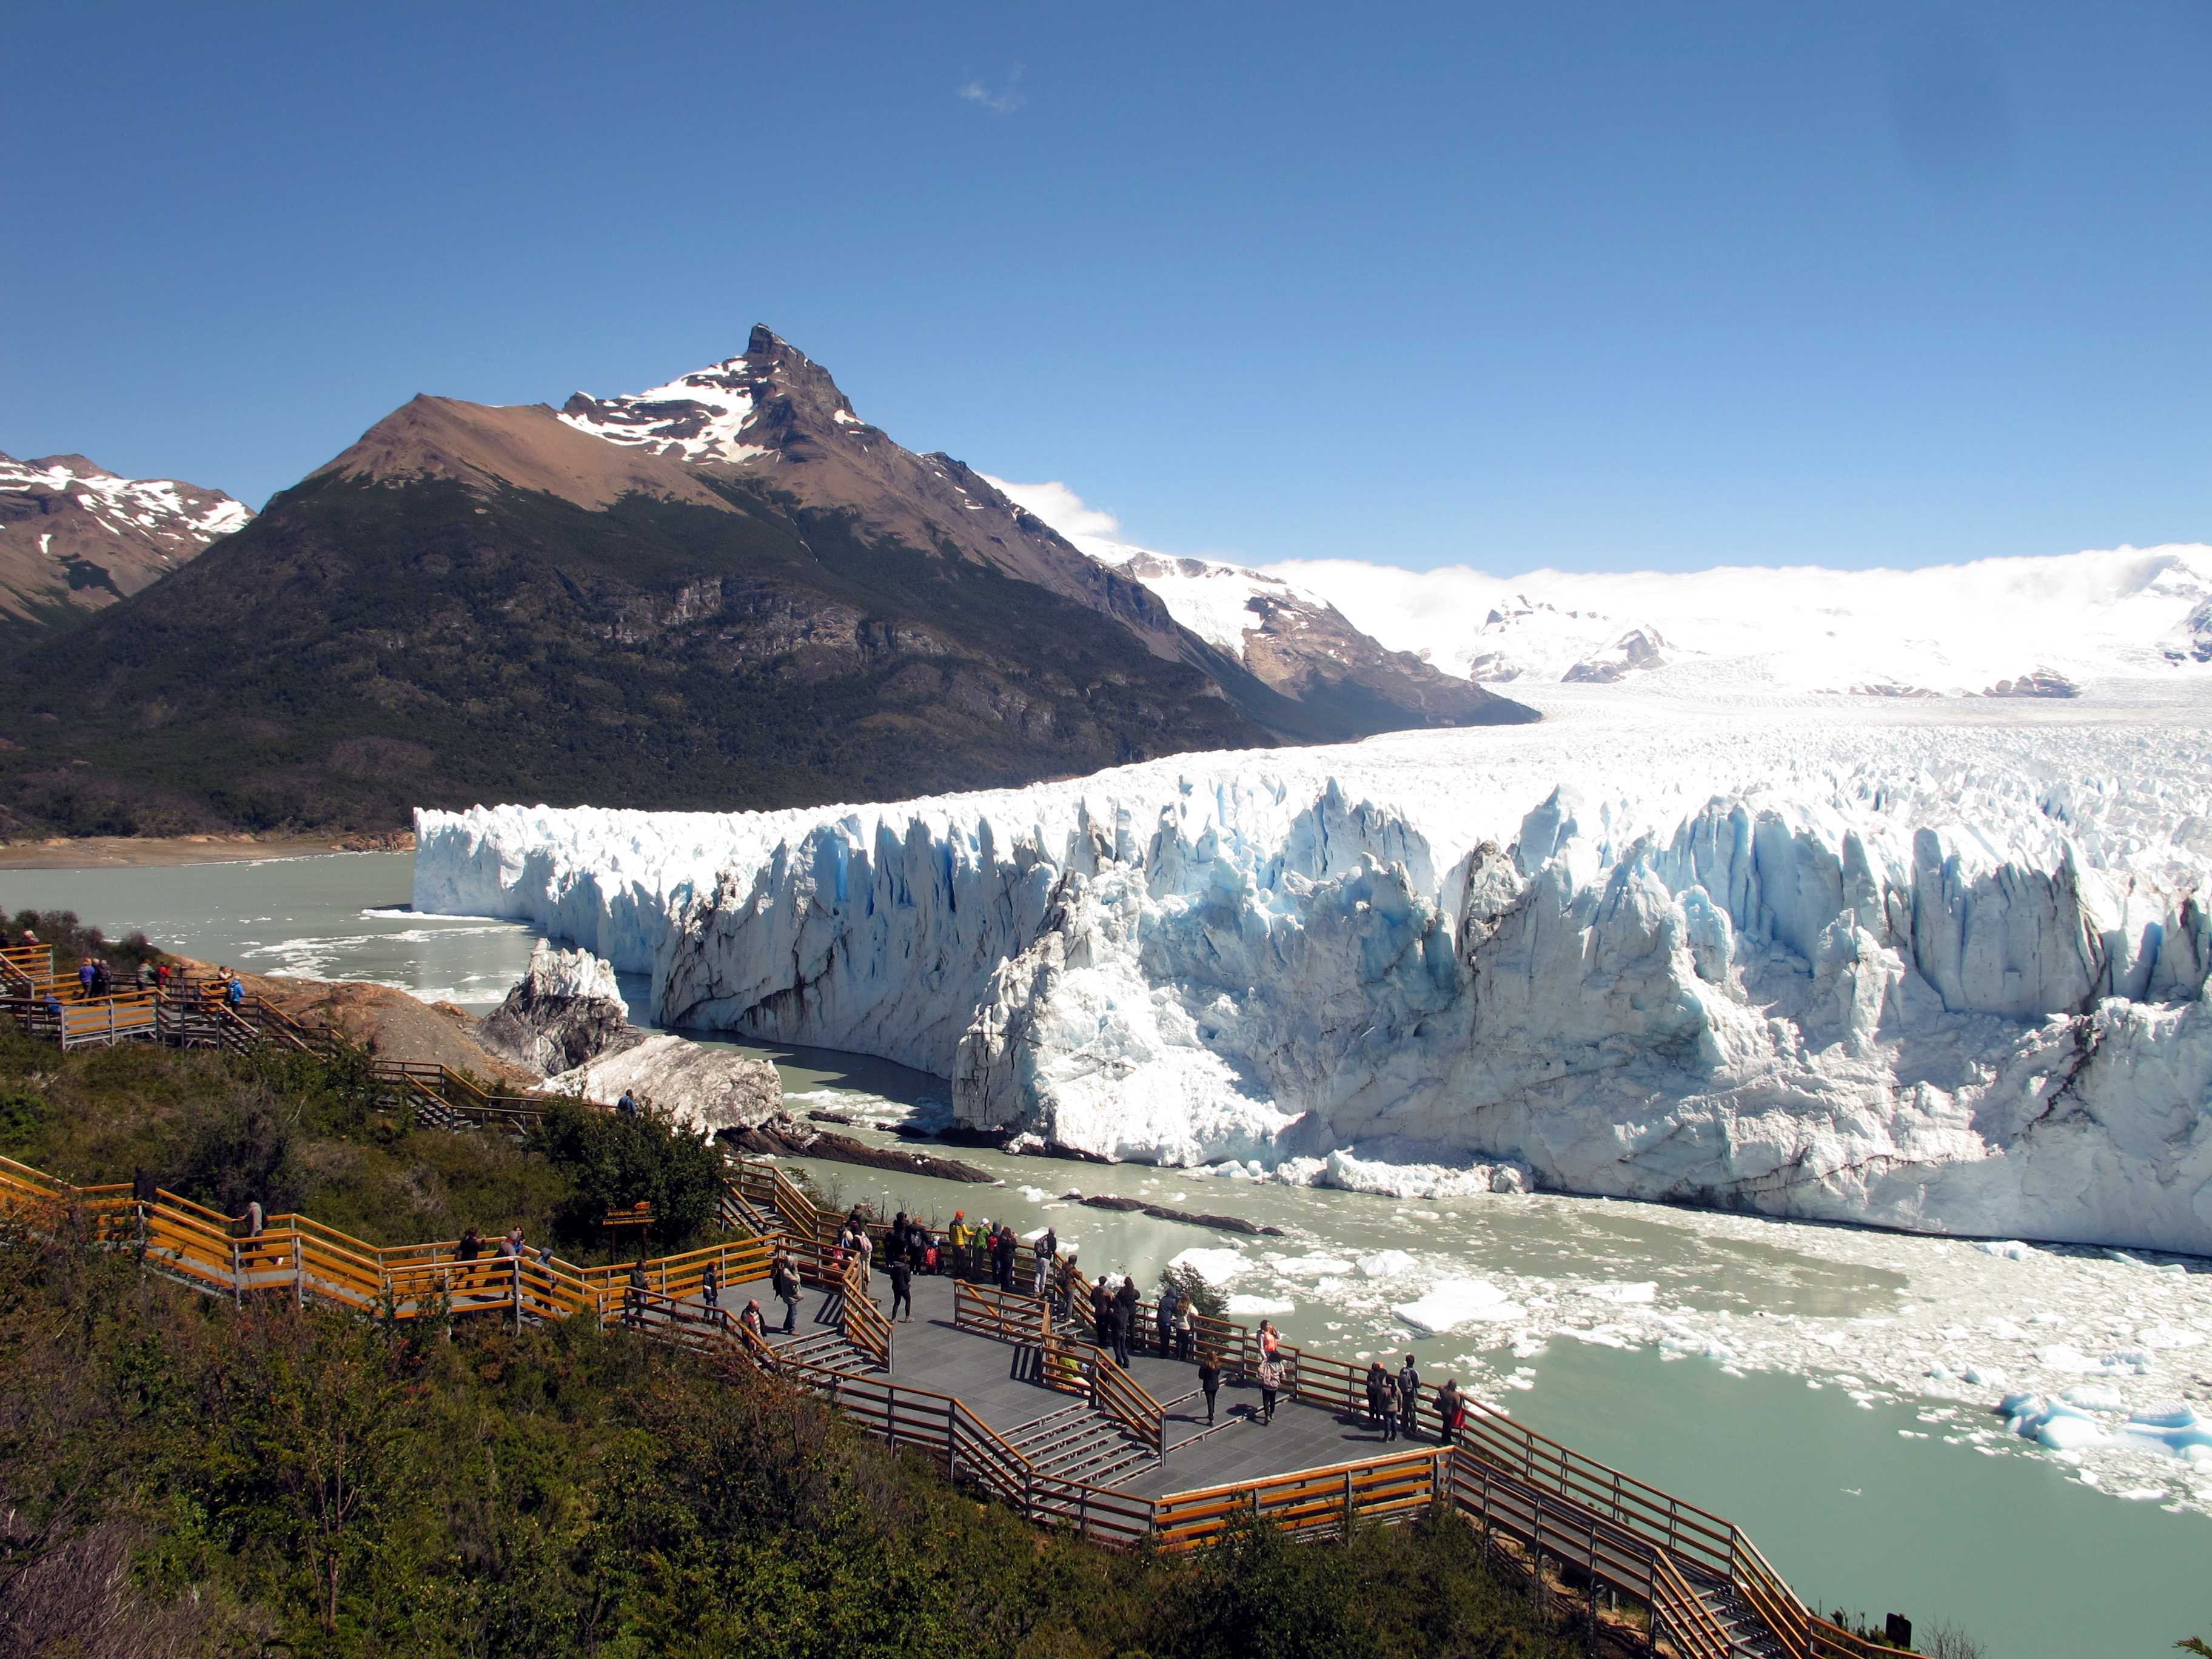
999	1382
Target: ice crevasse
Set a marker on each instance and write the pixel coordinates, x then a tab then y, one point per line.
1941	976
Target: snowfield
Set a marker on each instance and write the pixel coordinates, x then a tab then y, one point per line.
1935	964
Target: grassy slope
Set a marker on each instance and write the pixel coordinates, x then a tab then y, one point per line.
178	1477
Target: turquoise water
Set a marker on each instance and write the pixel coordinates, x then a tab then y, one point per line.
2009	1548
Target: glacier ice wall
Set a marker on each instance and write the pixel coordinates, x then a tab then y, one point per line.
1939	975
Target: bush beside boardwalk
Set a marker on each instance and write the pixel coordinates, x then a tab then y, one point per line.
180	1477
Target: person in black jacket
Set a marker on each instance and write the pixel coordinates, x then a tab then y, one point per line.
1004	1247
1409	1398
1117	1331
901	1288
1379	1412
1102	1311
1125	1318
1209	1380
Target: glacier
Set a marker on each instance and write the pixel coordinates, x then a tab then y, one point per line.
1935	965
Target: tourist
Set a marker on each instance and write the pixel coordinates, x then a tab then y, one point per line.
253	1218
84	980
545	1255
1064	1286
139	976
783	1279
1451	1412
1163	1319
1041	1254
627	1105
1209	1380
1270	1375
1102	1312
920	1247
710	1289
1008	1245
162	975
103	981
470	1248
144	1188
1379	1414
1271	1339
956	1239
235	995
901	1288
1117	1331
634	1296
510	1247
1125	1318
751	1320
1409	1398
1186	1328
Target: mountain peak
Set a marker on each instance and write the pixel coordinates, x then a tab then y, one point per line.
741	410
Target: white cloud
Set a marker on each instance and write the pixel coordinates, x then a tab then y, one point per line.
1004	102
1060	507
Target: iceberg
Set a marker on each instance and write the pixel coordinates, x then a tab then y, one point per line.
1943	968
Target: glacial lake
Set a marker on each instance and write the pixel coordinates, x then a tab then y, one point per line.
1772	1372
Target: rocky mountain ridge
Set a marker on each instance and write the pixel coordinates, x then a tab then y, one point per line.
76	538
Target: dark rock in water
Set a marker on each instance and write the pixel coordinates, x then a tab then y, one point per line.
564	1014
566	1019
785	1136
1227	1224
819	1116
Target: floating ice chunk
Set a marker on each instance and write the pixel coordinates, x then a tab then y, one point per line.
1386	1264
1214	1267
2092	1398
1308	1267
2011	1249
1645	1291
1259	1305
1452	1303
2169	1336
1985	1377
2069	1434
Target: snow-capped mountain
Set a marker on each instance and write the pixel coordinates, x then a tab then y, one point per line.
74	537
727	589
1936	963
774	415
1294	641
1947	630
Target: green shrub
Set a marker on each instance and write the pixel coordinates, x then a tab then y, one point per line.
613	1161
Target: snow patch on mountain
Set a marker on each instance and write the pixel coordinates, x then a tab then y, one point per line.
1940	965
699	416
150	507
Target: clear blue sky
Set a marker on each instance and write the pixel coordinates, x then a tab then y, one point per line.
1599	287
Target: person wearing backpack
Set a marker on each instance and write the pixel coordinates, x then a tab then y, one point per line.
1409	1399
1270	1376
